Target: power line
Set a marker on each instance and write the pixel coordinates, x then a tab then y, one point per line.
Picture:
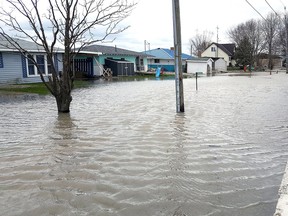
271	7
255	9
274	10
282	3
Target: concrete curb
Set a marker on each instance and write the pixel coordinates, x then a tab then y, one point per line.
282	205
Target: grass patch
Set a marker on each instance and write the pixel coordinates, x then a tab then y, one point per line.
37	88
233	68
33	88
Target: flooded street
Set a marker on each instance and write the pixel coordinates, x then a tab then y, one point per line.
124	151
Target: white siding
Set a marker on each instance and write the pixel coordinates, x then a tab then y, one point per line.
217	54
161	62
200	66
60	61
197	66
220	65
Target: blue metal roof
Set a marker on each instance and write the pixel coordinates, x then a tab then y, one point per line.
163	53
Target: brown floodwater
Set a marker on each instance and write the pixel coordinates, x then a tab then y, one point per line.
123	150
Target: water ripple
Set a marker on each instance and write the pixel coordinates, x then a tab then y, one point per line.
123	151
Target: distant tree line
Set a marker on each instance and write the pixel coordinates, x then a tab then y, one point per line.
252	38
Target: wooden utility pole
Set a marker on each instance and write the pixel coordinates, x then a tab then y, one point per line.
178	56
286	37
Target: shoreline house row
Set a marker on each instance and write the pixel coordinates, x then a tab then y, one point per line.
17	67
91	61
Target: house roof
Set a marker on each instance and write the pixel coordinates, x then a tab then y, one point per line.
197	59
228	48
163	53
5	45
110	50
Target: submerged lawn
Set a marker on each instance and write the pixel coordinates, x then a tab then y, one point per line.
40	88
36	88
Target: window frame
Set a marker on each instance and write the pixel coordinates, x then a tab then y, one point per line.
1	60
36	57
30	65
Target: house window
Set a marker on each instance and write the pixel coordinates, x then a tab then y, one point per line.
30	64
213	49
1	60
49	68
41	61
156	60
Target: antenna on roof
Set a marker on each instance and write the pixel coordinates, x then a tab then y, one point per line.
146	43
217	41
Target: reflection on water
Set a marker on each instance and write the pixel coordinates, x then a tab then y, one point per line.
124	151
64	129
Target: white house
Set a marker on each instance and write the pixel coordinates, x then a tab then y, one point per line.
225	51
199	65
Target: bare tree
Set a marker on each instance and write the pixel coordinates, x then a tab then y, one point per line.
282	40
236	33
252	31
271	27
200	42
255	35
69	23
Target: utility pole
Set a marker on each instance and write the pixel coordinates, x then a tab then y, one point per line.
286	35
178	56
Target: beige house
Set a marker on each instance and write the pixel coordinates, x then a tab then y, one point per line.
224	51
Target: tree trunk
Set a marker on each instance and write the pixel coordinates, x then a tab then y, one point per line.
63	101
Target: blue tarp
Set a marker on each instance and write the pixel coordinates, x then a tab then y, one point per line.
158	71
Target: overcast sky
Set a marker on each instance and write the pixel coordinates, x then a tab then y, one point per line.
151	20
